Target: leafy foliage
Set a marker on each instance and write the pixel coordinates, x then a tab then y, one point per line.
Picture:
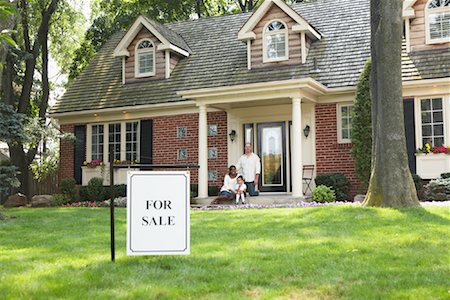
68	189
11	124
438	190
323	194
445	175
362	127
8	177
337	181
95	190
417	182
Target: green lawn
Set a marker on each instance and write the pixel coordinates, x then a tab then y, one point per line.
338	252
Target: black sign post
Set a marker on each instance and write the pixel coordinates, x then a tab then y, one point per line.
111	204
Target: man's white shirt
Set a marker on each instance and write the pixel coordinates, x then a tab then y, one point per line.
250	165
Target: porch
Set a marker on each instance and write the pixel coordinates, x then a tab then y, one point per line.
277	118
262	199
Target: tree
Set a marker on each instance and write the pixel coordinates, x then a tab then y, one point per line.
391	183
247	5
362	128
25	80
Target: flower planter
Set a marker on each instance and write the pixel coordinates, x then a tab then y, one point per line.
431	166
120	175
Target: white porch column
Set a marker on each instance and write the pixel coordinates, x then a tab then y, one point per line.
296	156
202	152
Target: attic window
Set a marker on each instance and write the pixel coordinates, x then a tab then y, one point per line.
275	42
145	59
438	21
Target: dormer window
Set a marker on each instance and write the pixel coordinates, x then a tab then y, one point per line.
275	42
145	59
438	21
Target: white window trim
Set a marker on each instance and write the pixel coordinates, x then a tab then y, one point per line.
136	58
106	140
429	11
339	123
418	118
286	33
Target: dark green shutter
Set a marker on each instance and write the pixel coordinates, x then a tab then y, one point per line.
410	132
79	151
146	142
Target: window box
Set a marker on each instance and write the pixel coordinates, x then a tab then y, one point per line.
120	175
431	166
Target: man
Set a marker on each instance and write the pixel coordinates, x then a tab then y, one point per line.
249	165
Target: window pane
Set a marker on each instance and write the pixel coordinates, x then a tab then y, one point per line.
114	139
426	117
345	134
425	104
432	121
438	116
439	141
438	130
437	103
426	130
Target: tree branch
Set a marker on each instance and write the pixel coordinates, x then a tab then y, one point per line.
24	20
30	64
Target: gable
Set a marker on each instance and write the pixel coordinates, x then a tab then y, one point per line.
169	40
300	25
129	71
294	40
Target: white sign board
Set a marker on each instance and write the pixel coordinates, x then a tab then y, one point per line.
158	205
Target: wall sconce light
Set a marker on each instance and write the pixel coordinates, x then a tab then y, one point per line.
232	135
306	131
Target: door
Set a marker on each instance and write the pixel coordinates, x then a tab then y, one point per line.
272	151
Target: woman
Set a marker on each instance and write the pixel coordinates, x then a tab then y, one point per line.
229	184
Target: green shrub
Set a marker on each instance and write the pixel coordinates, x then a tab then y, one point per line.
337	181
362	127
445	175
417	182
120	190
95	189
323	194
68	189
59	200
83	194
438	190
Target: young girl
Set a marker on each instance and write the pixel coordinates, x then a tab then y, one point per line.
241	188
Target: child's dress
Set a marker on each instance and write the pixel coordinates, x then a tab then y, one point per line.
240	196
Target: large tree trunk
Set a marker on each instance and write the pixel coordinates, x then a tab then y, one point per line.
391	183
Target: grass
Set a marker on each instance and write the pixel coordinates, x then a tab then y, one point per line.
339	252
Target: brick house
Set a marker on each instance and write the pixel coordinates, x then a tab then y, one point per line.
282	78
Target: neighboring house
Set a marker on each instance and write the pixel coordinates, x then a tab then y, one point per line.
282	78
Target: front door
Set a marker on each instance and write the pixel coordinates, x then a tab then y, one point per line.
272	151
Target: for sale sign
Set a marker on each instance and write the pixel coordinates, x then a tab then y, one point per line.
158	213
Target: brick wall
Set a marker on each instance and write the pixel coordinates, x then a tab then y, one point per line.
166	143
66	154
331	156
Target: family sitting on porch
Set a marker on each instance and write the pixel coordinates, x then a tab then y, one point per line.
249	165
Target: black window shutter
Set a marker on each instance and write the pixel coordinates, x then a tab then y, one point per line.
80	151
146	142
410	132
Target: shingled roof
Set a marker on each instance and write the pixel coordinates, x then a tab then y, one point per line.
218	59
